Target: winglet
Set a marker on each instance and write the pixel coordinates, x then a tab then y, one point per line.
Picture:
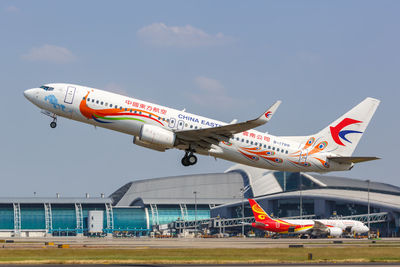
267	115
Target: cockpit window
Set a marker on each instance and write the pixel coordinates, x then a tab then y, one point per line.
47	88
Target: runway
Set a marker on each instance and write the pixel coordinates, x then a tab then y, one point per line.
196	242
210	265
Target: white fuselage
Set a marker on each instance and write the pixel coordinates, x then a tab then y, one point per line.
127	115
351	226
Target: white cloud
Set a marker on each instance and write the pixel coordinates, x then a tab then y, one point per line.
12	9
211	93
159	34
49	53
208	84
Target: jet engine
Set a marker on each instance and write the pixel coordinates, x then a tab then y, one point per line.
154	137
335	231
359	229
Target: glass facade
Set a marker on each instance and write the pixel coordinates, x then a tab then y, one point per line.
170	213
32	216
129	218
293	180
291	207
63	217
6	216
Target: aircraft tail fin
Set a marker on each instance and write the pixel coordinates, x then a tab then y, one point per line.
259	214
342	136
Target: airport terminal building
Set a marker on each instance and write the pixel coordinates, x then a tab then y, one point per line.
139	207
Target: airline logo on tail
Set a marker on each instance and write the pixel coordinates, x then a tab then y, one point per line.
259	213
338	133
268	114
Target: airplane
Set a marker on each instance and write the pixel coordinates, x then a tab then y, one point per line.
311	228
161	128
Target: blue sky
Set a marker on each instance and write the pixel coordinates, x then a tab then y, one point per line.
220	59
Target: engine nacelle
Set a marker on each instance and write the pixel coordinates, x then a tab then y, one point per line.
359	229
155	135
137	141
335	231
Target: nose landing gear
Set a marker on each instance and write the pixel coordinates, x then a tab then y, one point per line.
53	124
189	159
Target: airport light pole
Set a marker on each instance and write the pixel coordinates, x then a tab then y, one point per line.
369	208
284	181
301	198
243	190
195	211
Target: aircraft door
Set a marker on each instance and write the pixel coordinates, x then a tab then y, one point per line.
303	156
171	123
69	95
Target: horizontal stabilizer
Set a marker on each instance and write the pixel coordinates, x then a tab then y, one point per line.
352	159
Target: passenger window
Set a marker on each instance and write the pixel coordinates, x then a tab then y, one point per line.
83	98
115	106
273	148
110	105
97	101
242	140
106	104
269	147
265	146
130	111
256	143
287	151
149	115
251	142
126	109
277	150
101	103
140	112
88	99
247	141
120	108
92	100
191	126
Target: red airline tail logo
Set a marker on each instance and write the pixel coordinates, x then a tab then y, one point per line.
259	214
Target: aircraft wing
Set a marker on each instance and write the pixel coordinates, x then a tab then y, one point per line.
206	137
318	229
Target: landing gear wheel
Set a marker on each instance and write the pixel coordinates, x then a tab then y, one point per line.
189	158
53	124
185	161
192	159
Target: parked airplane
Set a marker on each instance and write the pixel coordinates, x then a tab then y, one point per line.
311	228
160	128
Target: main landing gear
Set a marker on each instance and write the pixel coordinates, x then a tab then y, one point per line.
189	159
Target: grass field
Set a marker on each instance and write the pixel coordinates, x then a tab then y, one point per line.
214	256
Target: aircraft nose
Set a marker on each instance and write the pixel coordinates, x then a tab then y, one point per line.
30	94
